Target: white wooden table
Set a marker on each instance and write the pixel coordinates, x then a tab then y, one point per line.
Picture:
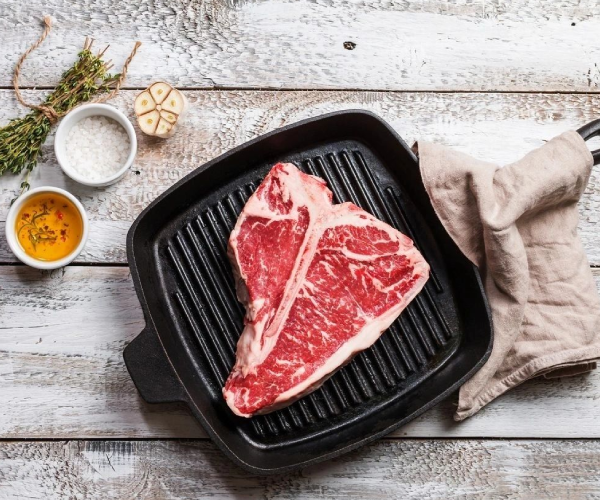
492	78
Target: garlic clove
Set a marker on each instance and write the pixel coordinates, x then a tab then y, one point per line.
164	129
159	91
144	103
167	115
149	122
175	102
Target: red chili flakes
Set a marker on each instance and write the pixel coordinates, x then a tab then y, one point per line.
26	216
63	232
65	224
59	214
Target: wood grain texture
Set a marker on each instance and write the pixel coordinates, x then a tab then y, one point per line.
496	127
403	45
427	470
62	335
62	374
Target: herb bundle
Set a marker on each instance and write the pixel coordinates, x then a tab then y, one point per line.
22	139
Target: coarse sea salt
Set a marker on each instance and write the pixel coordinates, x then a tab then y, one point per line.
97	147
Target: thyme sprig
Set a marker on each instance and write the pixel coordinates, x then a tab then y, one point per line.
37	233
22	139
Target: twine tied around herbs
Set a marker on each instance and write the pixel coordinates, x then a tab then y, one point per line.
48	111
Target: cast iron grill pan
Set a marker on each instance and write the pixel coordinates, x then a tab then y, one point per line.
177	251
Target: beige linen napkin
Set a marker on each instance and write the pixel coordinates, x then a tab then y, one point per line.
518	224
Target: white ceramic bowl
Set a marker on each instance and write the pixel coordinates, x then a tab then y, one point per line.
75	116
11	235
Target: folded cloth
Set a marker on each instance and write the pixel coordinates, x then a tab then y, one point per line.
518	225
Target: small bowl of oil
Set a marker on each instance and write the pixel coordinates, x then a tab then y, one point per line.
47	228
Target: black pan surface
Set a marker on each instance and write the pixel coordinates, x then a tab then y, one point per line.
177	255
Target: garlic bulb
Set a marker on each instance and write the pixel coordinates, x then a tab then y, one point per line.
159	108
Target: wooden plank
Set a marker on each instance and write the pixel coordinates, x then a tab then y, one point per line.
496	127
426	470
61	340
62	336
410	45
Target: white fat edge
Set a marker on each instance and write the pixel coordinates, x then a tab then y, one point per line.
229	397
255	344
364	339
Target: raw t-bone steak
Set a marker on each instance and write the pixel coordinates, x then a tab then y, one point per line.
320	283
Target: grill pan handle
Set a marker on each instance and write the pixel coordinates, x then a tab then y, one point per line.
151	371
588	131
